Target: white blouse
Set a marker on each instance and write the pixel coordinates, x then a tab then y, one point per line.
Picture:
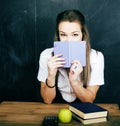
96	76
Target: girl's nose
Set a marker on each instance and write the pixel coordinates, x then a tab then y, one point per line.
68	38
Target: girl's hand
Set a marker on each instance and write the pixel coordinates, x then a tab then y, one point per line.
54	63
75	70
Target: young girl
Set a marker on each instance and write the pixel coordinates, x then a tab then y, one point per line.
77	83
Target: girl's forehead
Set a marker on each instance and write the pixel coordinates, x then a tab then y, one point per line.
68	22
69	26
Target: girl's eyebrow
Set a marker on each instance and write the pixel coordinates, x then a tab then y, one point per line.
72	32
62	31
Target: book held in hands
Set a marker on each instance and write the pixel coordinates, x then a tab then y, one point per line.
74	50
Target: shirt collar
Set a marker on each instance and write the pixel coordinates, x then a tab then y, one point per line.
63	72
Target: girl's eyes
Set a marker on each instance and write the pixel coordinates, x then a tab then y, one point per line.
75	35
62	35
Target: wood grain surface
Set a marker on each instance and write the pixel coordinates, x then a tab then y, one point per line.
32	113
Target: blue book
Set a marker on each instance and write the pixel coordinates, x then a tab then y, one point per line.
87	110
71	51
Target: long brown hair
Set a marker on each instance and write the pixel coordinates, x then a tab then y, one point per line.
72	16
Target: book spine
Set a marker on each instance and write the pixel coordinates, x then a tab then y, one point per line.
69	54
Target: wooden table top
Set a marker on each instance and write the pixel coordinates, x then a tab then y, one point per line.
32	113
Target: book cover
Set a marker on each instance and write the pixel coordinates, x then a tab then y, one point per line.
89	121
71	51
87	110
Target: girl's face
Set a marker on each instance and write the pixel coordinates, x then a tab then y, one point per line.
70	31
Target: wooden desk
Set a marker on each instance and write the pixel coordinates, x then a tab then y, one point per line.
32	113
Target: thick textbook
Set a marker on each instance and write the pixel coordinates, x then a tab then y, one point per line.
87	110
89	121
71	51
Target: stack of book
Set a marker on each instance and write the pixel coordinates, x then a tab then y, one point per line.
88	113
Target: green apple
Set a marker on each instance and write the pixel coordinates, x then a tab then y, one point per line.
65	115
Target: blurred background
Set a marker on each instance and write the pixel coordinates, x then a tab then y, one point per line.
27	27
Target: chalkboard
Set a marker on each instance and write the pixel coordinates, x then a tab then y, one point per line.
27	27
17	50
